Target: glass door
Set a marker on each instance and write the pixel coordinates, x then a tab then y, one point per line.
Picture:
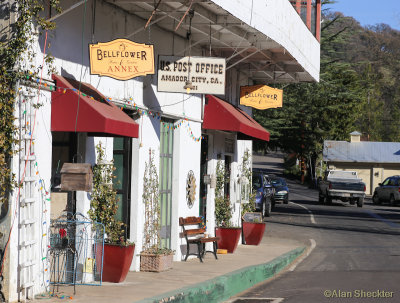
166	140
203	172
122	180
227	187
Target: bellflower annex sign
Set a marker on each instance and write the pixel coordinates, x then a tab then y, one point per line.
261	96
206	74
121	59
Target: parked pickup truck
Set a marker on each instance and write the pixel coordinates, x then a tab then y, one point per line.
341	185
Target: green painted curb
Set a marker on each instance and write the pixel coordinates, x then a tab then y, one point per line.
223	287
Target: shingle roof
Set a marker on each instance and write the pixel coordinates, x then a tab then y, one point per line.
375	152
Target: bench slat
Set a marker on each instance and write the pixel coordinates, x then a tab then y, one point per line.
190	220
203	239
196	231
212	239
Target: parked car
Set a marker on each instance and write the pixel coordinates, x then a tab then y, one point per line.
264	192
387	191
341	185
281	191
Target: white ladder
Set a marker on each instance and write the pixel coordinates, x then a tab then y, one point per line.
28	231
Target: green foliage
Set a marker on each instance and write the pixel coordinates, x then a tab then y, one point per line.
223	212
17	43
104	202
328	110
152	210
223	209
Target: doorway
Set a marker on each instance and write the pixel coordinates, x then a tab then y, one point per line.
227	188
122	155
203	172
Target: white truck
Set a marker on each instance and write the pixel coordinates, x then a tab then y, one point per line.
342	185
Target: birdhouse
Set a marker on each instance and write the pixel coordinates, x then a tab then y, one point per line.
76	176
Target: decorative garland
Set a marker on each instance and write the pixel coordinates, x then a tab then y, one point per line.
141	112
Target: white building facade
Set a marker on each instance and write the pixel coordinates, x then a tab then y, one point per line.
266	42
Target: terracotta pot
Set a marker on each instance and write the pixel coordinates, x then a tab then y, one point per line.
116	262
253	232
229	237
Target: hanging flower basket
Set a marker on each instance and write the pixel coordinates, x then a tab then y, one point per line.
155	262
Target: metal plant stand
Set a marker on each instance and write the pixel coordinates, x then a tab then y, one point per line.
76	251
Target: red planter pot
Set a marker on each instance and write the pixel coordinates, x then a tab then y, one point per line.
229	238
253	232
116	262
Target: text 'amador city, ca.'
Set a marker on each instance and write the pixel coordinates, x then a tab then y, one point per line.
207	74
123	59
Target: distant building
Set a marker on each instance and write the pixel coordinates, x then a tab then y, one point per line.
373	161
310	13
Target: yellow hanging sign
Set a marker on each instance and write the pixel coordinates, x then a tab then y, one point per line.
121	59
261	96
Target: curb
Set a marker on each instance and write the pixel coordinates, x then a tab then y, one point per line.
223	287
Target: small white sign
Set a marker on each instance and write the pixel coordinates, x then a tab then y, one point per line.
206	74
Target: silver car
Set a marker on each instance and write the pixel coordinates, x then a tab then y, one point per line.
387	191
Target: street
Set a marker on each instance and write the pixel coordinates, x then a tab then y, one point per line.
356	256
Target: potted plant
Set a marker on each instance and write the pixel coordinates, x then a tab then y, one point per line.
118	252
229	235
153	257
252	231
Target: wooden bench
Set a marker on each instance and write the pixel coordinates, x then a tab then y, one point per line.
196	236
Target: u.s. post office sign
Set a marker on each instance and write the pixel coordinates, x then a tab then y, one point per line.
121	59
207	74
261	96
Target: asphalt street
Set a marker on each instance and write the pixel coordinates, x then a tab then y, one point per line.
356	256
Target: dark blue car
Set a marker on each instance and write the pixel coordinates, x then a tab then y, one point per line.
264	193
281	190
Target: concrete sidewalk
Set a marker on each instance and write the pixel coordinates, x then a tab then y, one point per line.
192	281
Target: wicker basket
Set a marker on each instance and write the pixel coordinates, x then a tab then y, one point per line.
157	263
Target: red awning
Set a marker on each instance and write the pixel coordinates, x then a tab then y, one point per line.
94	114
221	115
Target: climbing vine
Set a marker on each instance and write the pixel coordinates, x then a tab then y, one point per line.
152	211
245	170
15	51
152	243
104	200
223	208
